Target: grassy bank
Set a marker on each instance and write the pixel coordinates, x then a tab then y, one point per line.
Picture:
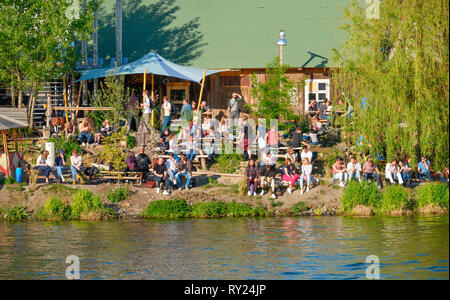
179	208
367	199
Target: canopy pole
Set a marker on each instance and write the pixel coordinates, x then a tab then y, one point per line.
65	97
153	100
201	91
5	146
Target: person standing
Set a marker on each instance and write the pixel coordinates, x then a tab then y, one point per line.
147	111
167	112
186	112
233	106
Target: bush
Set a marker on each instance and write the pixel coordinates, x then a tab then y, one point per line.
85	202
67	145
119	194
54	209
209	209
7	180
14	214
131	141
394	197
229	163
360	194
176	208
299	207
435	194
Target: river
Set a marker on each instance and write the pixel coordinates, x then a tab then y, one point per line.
334	247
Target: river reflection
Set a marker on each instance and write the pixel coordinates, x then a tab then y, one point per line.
230	248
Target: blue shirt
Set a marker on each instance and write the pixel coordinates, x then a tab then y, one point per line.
423	167
186	112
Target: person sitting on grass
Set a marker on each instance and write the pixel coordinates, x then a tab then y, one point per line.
306	176
69	128
131	162
423	169
370	171
76	168
393	171
291	155
406	171
165	138
267	174
252	175
444	175
42	165
339	172
354	169
85	136
307	153
142	163
184	169
160	172
288	174
171	166
60	163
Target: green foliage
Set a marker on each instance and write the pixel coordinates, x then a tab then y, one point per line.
167	209
67	145
229	163
395	197
276	204
131	141
113	93
14	214
274	95
212	183
36	40
54	209
360	194
299	207
178	208
435	194
112	152
119	194
7	180
401	66
84	202
98	117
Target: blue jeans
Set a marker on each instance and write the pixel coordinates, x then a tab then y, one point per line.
47	170
427	174
85	137
354	175
373	176
191	155
308	180
160	180
188	179
166	123
59	171
74	172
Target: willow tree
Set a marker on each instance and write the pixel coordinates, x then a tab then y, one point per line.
399	62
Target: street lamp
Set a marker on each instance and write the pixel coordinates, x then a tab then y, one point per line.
281	42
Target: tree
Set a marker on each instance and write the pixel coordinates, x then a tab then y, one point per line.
274	95
399	64
37	42
113	94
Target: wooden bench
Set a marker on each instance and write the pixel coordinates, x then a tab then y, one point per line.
199	159
122	175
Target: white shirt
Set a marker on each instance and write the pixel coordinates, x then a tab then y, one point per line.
167	108
351	166
307	169
307	155
147	109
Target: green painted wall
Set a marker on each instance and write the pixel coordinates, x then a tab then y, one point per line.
225	33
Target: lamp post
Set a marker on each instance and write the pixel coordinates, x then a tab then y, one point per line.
281	43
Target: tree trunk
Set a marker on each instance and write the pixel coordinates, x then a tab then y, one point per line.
32	104
19	99
13	96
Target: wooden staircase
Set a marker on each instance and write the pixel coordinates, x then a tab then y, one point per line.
55	90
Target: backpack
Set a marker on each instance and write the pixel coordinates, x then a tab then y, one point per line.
173	110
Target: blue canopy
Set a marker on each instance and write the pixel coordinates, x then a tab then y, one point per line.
153	63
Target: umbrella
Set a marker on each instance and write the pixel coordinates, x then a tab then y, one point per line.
153	63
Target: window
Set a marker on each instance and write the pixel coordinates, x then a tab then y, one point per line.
316	89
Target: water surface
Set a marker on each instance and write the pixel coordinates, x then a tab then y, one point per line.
229	248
